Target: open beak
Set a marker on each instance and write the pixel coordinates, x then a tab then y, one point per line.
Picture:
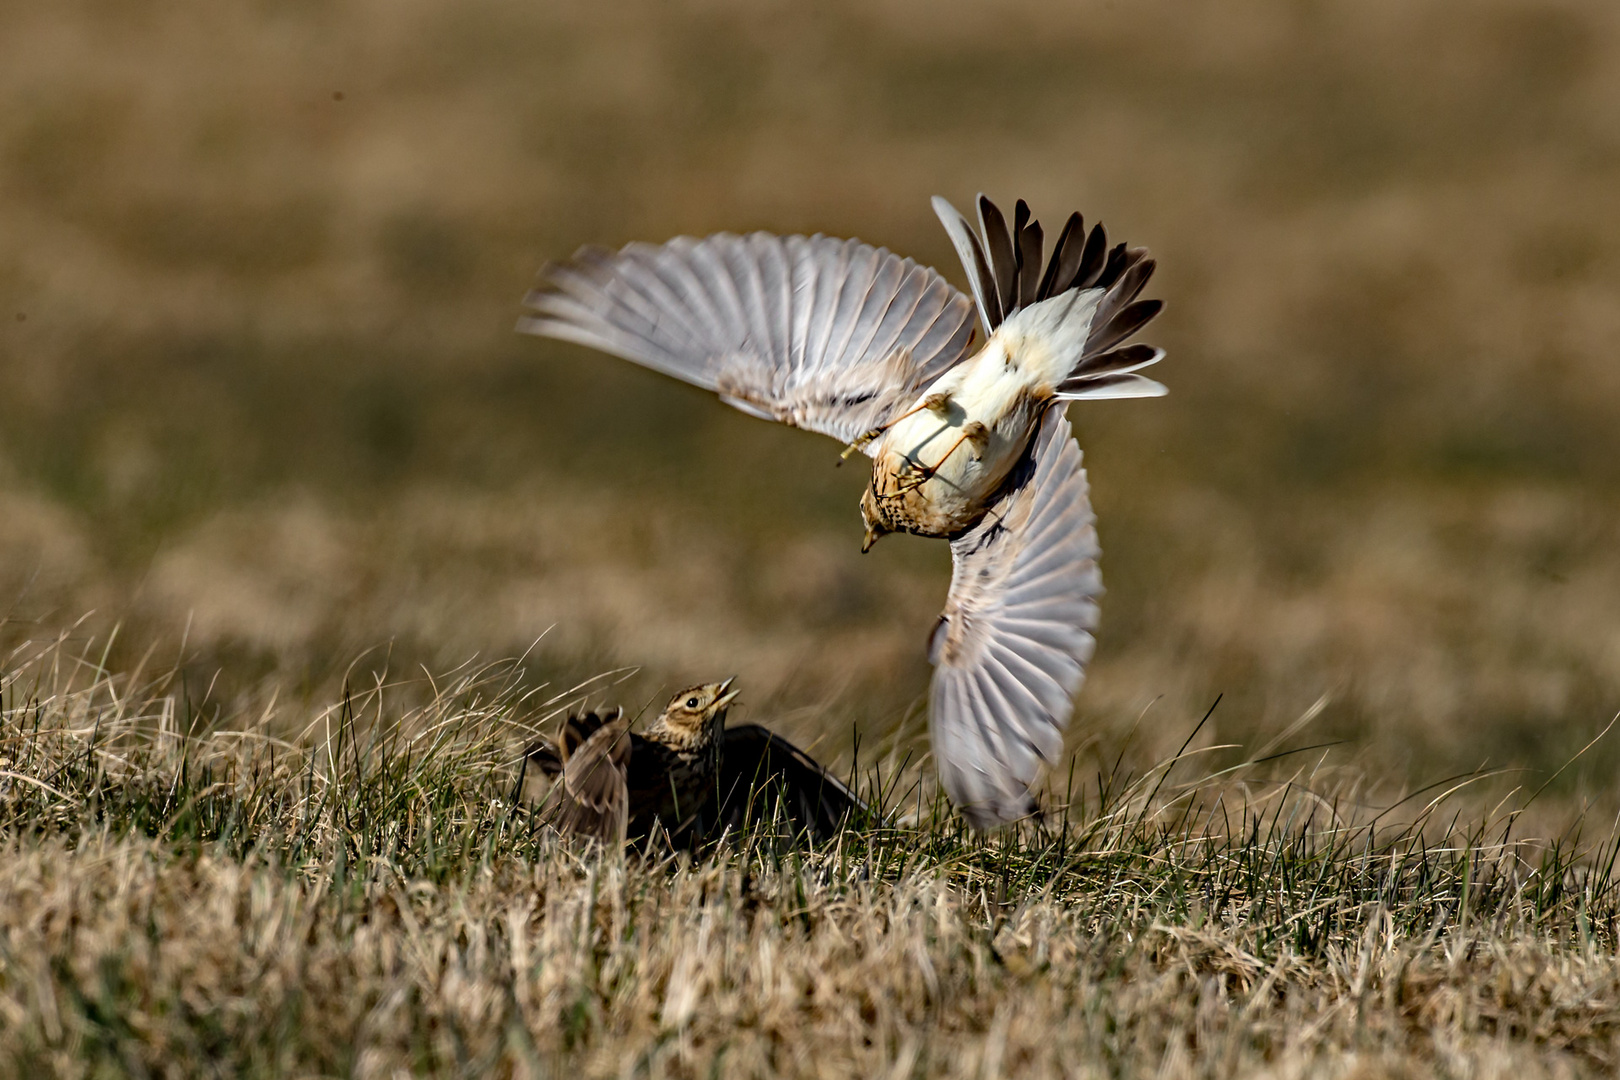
727	694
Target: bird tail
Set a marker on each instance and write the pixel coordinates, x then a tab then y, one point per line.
1083	302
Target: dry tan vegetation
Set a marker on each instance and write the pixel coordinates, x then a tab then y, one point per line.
263	412
179	966
370	902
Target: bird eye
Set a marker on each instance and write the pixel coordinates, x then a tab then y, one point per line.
691	703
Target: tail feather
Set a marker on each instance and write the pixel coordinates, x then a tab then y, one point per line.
1119	361
980	279
1003	259
1066	254
1029	258
1111	386
1006	274
1093	259
1132	280
1111	328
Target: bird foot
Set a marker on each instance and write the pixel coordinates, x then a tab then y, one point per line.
859	444
934	403
915	479
974	433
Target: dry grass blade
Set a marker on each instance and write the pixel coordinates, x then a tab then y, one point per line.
370	900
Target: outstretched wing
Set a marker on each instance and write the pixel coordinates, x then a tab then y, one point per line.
831	335
1011	647
760	772
549	757
590	798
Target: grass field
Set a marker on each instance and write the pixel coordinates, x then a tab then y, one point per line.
266	434
369	899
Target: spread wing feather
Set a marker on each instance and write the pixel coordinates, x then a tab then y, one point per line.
761	772
590	797
831	335
1011	647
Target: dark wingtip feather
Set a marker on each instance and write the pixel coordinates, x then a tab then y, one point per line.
545	757
759	767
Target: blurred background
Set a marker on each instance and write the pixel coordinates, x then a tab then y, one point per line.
262	407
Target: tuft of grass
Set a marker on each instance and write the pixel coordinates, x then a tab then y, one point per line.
186	895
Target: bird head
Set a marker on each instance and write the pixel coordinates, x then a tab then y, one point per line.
872	518
695	708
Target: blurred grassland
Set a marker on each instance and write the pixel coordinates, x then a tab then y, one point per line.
259	266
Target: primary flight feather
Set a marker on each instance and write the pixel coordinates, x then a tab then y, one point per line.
971	446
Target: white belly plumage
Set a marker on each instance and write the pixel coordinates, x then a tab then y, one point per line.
934	470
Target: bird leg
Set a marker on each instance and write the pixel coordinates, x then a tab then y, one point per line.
939	403
859	444
974	433
977	436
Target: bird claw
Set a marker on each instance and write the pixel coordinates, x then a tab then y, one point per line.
916	476
934	403
859	444
975	434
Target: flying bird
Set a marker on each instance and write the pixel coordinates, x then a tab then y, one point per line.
688	773
968	445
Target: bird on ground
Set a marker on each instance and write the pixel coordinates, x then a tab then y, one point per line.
688	774
971	446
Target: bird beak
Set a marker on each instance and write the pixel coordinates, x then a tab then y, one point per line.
872	534
727	695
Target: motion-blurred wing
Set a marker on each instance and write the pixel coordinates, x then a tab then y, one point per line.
543	755
549	757
761	771
835	336
1011	647
591	799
